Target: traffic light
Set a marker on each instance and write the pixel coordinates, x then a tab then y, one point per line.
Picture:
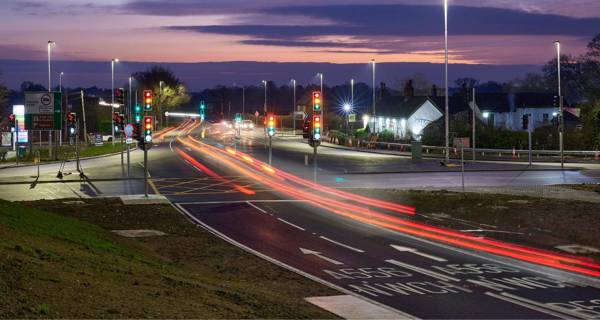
137	113
317	122
525	121
202	110
120	96
317	101
12	120
317	125
71	123
117	122
271	124
148	128
148	98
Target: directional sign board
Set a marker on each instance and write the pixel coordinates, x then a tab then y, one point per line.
43	111
352	117
128	130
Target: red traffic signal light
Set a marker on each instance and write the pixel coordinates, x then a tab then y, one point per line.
71	117
317	101
148	97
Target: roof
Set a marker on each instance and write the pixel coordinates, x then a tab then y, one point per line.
400	106
506	102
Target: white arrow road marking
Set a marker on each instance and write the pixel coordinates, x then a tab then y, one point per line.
426	272
319	255
415	251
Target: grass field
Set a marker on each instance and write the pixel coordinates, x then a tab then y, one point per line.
69	152
68	264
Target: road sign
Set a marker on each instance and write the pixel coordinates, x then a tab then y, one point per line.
43	111
129	130
129	140
352	117
98	140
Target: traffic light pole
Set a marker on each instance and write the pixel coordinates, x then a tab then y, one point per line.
315	163
270	149
122	152
561	134
17	141
128	160
145	173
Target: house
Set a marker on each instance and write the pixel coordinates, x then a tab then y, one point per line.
506	110
405	116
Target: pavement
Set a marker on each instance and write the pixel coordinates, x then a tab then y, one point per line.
363	247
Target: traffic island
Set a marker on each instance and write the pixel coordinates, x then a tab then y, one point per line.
59	259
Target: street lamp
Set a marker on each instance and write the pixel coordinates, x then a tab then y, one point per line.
560	103
112	71
447	112
264	82
374	98
50	45
294	109
60	76
159	107
129	100
352	92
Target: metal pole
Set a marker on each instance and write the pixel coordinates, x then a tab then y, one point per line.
145	173
112	123
529	123
122	151
474	123
17	141
49	67
294	111
447	113
374	93
77	144
128	161
560	99
128	113
84	123
315	164
243	101
462	165
270	149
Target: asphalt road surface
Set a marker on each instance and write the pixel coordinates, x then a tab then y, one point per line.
363	246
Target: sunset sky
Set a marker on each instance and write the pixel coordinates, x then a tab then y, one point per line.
342	36
482	31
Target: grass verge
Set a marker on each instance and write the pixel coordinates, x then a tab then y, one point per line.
69	152
58	259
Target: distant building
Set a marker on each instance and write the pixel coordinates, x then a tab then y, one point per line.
506	110
404	116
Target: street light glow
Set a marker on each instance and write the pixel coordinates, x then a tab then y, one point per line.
347	107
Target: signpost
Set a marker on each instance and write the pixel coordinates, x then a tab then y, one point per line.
43	112
129	130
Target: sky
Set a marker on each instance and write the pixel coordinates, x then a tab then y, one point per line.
496	32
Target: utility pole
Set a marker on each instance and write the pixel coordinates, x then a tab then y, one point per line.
294	110
529	123
561	102
474	123
83	114
446	107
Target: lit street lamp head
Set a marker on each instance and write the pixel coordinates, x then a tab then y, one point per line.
346	107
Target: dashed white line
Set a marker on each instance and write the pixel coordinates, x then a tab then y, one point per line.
422	271
291	224
342	245
256	207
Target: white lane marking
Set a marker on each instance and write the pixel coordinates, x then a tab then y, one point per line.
417	252
291	224
526	305
193	166
426	272
341	244
541	305
186	213
240	201
256	207
320	256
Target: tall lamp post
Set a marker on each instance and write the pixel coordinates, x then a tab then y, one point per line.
160	115
60	77
446	104
352	93
561	125
112	105
374	97
50	45
129	101
294	109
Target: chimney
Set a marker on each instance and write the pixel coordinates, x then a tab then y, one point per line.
409	90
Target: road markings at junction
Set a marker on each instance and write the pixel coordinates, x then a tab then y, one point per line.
426	272
528	306
417	252
320	255
291	224
341	244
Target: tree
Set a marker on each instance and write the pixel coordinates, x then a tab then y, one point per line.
4	92
420	83
173	93
468	82
30	86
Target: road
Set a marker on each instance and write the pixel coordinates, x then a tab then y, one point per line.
364	246
360	245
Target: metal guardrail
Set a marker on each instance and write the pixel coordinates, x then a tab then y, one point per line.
405	147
